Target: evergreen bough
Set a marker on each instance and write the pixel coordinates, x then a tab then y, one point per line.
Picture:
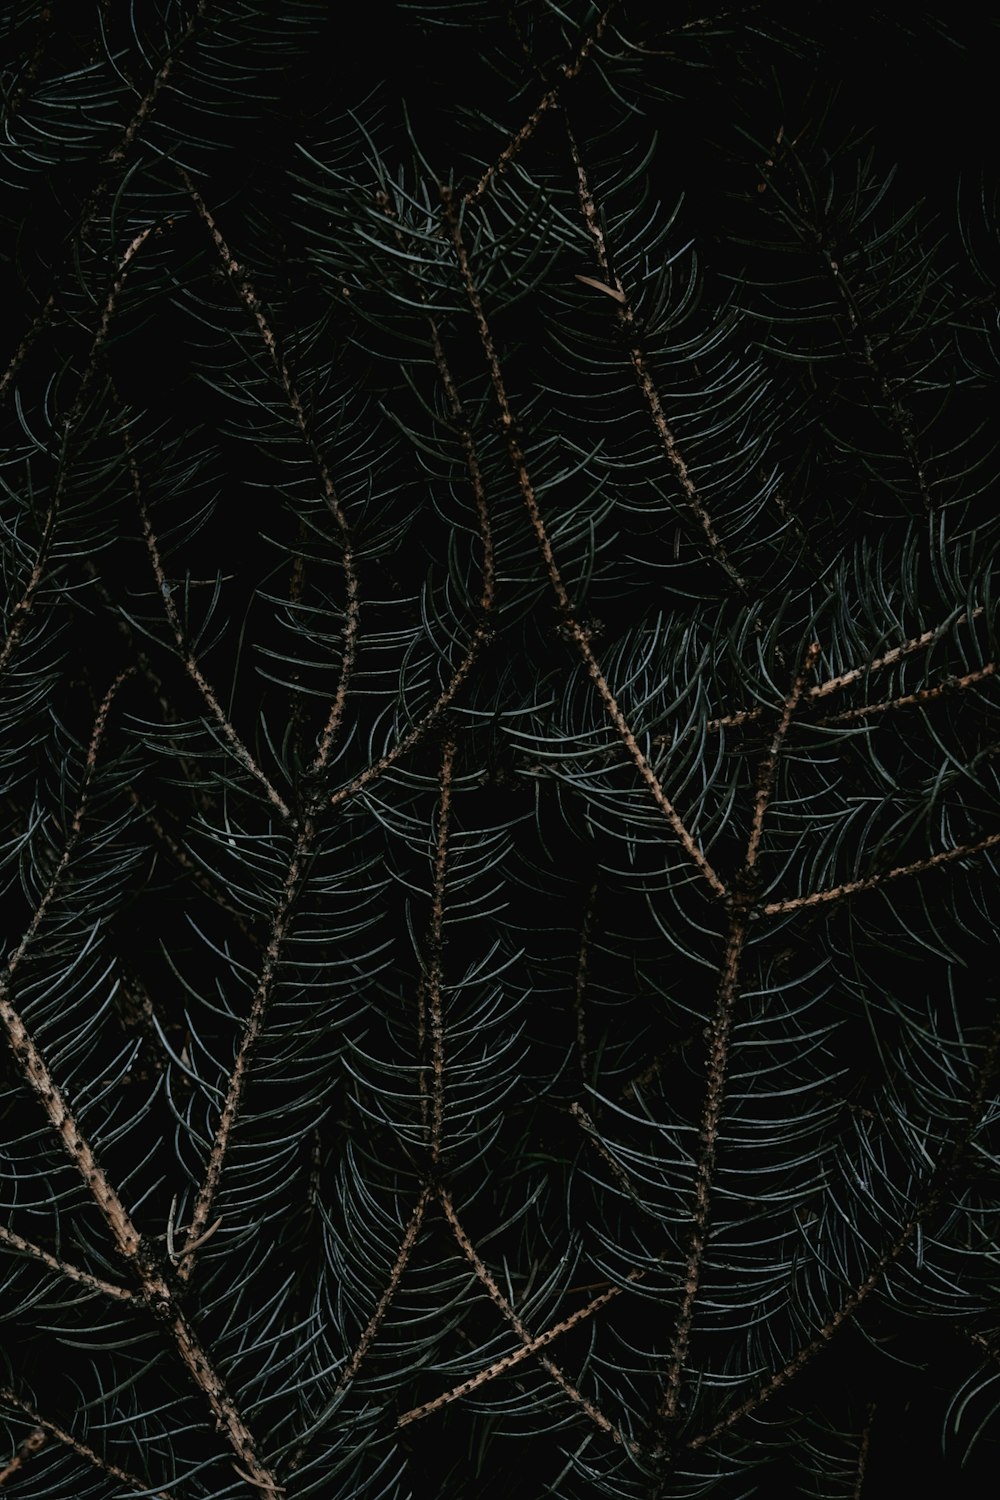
500	757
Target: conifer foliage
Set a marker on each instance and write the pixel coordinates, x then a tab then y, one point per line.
500	751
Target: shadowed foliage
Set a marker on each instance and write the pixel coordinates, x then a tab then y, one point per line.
498	676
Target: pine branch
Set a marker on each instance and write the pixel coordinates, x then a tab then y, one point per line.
111	169
203	687
240	280
873	882
32	1444
625	315
576	632
529	1344
43	1425
22	609
63	1267
938	1187
741	910
520	138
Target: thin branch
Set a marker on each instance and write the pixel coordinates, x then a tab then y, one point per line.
194	872
238	1079
909	700
21	611
719	1033
42	1424
768	771
872	882
627	322
517	142
510	1360
845	679
580	984
938	1186
483	632
244	288
32	1444
529	1345
864	1444
113	161
222	722
708	1136
29	1058
370	1331
155	1291
63	1267
616	1169
210	1384
573	628
435	944
901	416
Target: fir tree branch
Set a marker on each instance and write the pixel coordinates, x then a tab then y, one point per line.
864	1444
43	1425
482	634
937	1188
625	315
190	662
573	628
872	882
243	285
720	1029
580	983
27	1055
529	1345
846	679
943	689
239	1077
371	1328
63	1267
435	944
21	611
156	1294
33	1443
520	138
113	163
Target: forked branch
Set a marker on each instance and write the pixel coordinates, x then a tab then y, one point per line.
517	142
625	315
574	629
719	1034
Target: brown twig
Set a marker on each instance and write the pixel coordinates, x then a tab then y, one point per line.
910	700
371	1328
239	1077
244	287
937	1187
29	1058
529	1345
206	692
155	1292
580	984
517	142
575	631
872	882
864	1444
21	611
854	674
44	1426
483	631
640	364
113	161
719	1033
33	1443
435	944
63	1267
